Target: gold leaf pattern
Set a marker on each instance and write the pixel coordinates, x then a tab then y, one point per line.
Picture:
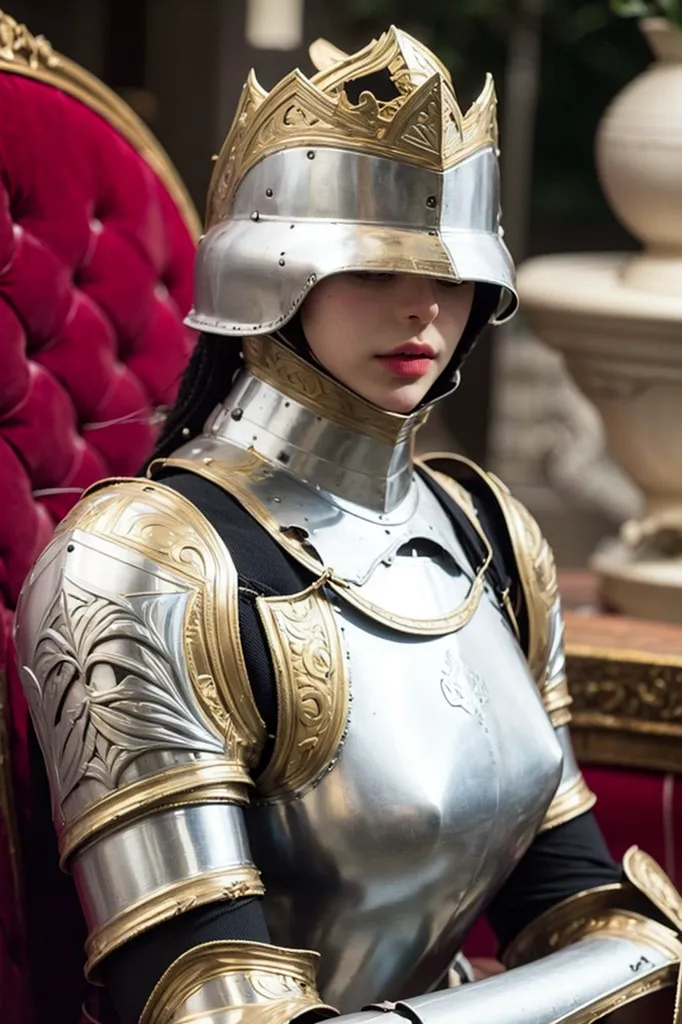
422	125
274	364
161	525
18	45
312	688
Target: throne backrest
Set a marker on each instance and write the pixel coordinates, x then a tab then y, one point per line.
97	239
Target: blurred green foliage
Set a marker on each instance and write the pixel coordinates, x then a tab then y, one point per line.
671	9
588	55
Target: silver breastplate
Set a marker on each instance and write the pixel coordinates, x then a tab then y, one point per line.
448	761
447	768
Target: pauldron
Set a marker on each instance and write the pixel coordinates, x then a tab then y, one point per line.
132	664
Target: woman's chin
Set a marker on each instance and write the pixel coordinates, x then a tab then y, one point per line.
403	400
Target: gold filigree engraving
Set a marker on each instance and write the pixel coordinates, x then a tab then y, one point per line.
236	482
166	903
602	911
161	525
312	688
647	876
278	366
269	984
18	44
422	125
537	571
627	707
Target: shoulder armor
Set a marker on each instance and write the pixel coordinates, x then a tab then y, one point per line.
131	660
528	556
128	637
536	573
312	683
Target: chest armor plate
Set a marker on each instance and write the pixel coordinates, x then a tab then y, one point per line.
446	769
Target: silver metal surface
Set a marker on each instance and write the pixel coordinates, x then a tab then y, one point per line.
346	462
570	770
548	991
228	995
447	769
99	642
331	211
353	539
145	857
555	674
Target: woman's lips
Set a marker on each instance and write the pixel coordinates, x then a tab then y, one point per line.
411	359
403	365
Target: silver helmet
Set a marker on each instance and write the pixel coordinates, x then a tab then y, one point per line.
309	184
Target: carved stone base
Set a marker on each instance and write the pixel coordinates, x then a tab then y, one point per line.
643	586
547	443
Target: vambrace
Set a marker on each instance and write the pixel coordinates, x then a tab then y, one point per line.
237	983
576	985
592	955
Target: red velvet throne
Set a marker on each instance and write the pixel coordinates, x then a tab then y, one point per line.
96	252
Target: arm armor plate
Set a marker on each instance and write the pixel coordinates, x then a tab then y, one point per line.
131	660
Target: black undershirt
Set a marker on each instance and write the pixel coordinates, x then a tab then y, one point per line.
560	862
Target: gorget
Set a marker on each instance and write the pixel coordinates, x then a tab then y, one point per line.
446	761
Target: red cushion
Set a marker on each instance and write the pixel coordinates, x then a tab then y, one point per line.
640	808
95	278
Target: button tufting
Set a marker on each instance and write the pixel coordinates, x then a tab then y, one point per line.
91	340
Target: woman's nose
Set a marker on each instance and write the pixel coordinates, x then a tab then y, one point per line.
417	299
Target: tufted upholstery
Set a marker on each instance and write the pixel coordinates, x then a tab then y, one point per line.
96	255
95	275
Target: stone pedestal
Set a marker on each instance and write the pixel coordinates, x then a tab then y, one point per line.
617	320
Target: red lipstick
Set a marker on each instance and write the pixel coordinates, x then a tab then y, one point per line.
413	359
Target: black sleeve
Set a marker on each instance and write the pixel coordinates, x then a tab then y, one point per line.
560	863
132	971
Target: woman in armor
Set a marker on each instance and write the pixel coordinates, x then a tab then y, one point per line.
300	696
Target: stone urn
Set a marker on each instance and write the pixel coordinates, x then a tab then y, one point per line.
617	319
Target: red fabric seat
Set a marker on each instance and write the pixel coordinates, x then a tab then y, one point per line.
96	256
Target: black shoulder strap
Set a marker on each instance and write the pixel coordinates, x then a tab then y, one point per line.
502	573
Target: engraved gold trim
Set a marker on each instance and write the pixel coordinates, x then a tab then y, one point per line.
621	654
165	527
280	983
594	913
202	782
324	55
222	884
276	365
622	748
21	53
557	700
537	573
7	806
228	478
663	977
568	803
312	688
648	877
627	707
422	125
535	564
465	501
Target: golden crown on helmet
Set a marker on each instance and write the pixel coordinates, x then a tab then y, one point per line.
312	182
